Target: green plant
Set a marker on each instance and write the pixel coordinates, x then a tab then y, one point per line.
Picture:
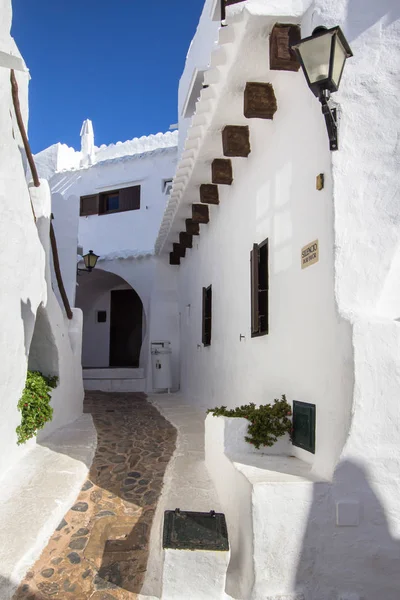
35	405
267	422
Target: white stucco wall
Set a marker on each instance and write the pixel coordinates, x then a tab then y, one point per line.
32	318
137	229
146	161
307	351
333	334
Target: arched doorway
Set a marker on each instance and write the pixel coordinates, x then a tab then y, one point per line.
113	321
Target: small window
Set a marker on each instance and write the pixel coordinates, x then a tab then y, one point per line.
259	289
101	316
167	186
111	202
207	319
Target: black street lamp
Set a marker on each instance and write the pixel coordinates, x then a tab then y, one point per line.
322	57
90	260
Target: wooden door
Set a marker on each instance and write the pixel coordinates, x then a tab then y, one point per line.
125	328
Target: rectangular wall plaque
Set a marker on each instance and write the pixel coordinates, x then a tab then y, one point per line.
310	254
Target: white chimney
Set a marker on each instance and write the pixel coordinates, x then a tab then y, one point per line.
87	144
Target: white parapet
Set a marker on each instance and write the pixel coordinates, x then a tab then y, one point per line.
194	574
266	497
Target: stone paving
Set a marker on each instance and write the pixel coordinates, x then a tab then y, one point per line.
100	548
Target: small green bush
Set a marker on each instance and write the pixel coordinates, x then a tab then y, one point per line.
35	405
267	422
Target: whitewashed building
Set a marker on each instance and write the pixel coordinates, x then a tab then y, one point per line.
35	334
258	181
111	200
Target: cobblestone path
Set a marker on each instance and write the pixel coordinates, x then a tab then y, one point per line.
100	548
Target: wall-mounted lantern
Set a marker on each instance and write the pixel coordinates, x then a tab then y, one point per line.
90	259
322	57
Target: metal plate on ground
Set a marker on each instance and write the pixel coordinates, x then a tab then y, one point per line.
184	530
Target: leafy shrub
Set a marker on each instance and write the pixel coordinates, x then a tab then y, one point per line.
267	422
35	405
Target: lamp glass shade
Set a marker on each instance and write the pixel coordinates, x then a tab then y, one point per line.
339	58
322	57
316	54
90	260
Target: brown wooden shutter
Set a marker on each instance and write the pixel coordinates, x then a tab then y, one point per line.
129	198
267	325
209	314
254	288
204	332
89	205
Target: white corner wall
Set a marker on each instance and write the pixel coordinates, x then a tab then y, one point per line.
24	267
334	331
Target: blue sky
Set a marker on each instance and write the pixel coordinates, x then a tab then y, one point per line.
116	62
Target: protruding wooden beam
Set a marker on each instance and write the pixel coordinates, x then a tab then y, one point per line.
185	239
221	171
192	227
236	140
200	213
174	259
179	250
259	101
281	56
209	193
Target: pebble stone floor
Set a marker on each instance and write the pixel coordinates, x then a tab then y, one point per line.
100	548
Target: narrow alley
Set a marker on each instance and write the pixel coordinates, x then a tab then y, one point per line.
100	548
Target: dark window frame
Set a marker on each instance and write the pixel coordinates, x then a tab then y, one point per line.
129	199
259	288
207	316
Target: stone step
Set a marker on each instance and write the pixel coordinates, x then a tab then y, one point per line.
115	385
113	373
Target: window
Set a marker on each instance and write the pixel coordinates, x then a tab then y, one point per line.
259	289
193	95
111	202
102	316
167	186
207	306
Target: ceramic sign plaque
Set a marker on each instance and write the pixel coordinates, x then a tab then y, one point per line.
310	254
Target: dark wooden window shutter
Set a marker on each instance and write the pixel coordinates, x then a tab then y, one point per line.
129	198
89	205
203	317
207	316
254	258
